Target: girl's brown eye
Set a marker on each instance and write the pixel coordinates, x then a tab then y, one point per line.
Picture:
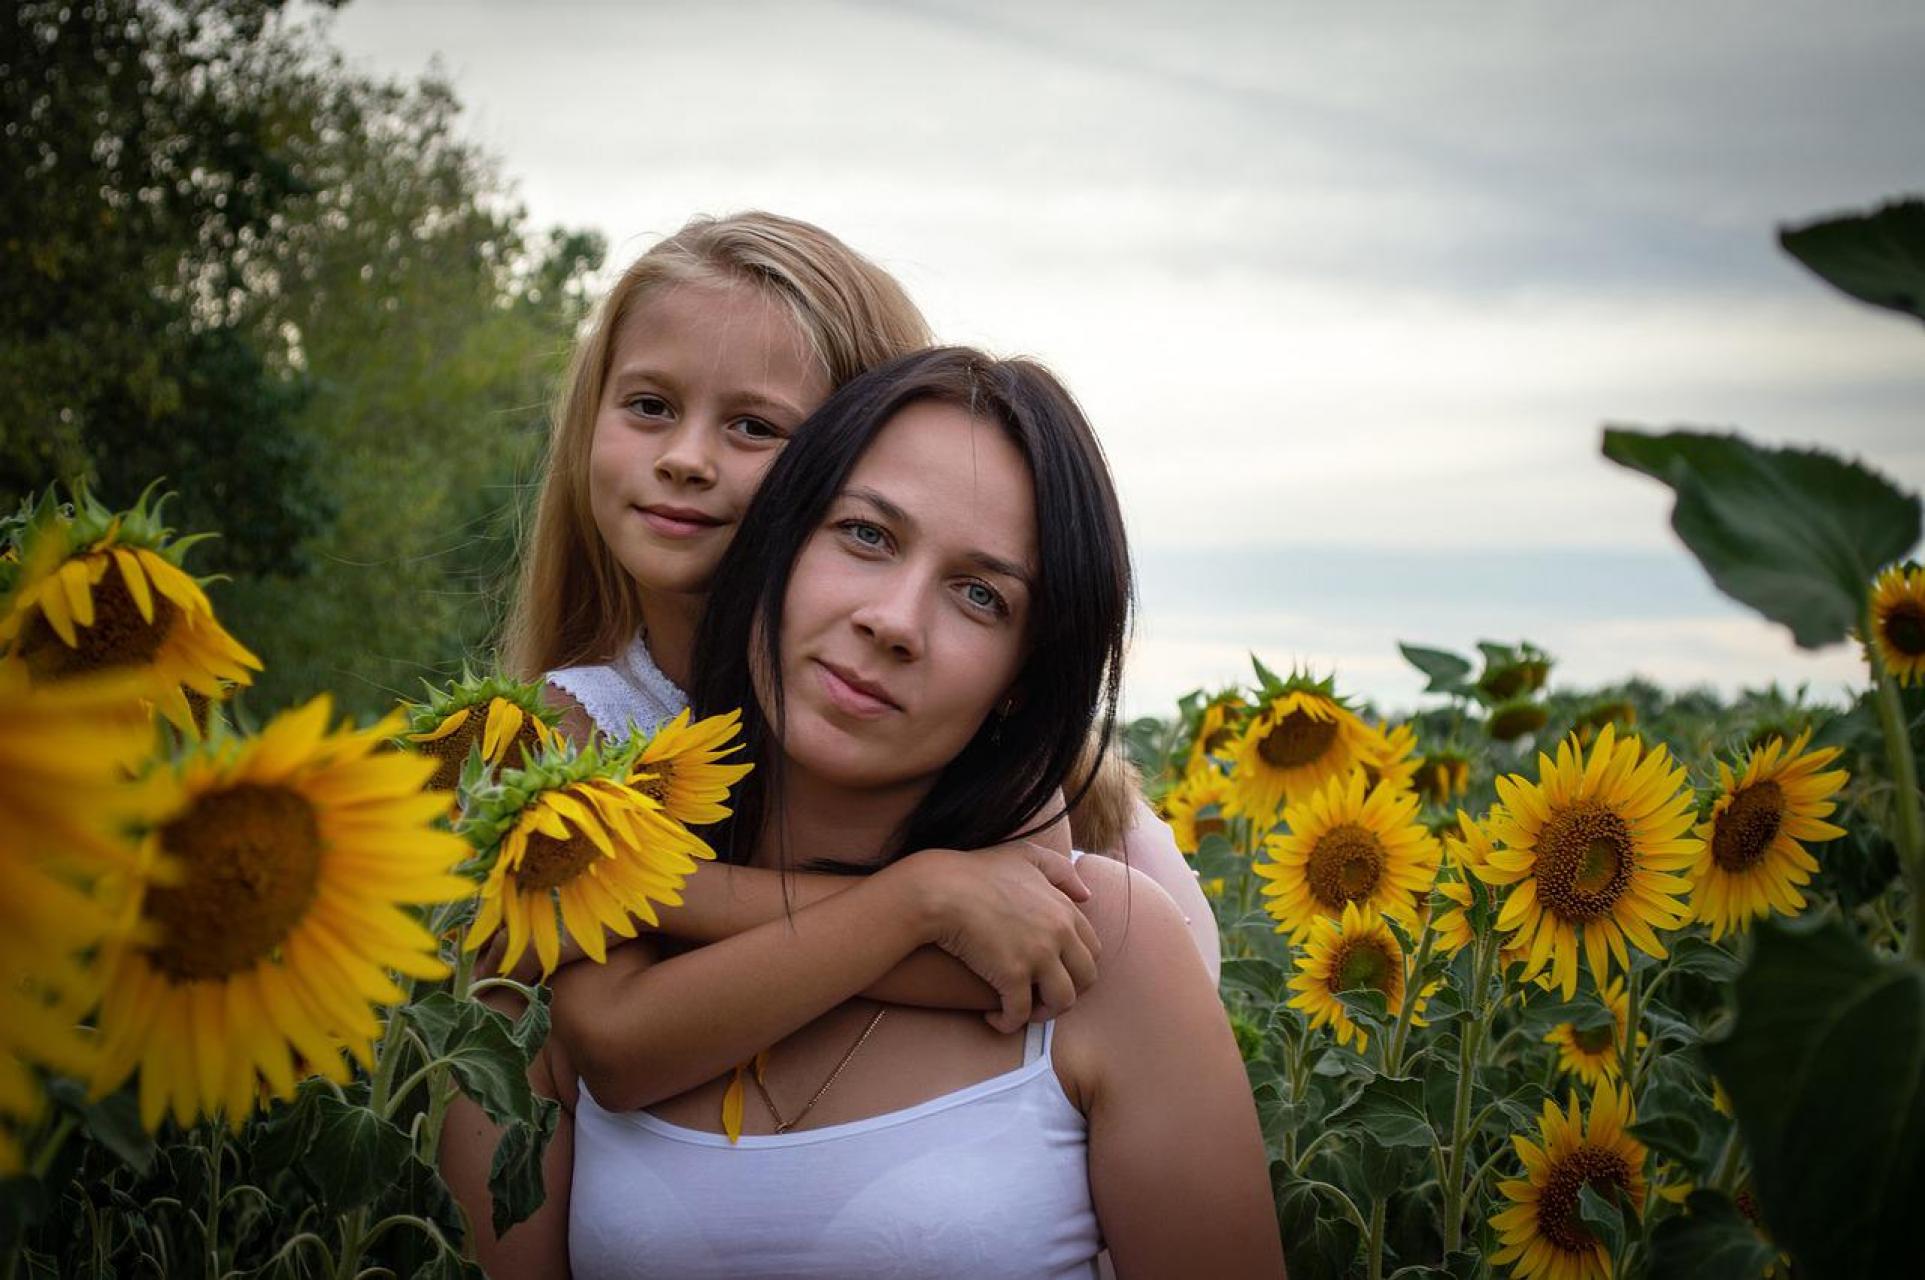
649	406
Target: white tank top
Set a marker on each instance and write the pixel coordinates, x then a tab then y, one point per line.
990	1182
622	696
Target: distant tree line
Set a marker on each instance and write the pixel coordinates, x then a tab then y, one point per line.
296	293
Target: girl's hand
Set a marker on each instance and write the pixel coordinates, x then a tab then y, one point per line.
1009	914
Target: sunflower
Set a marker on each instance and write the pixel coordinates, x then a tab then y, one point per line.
1511	720
1619	711
1593	1052
679	769
1195	807
1752	862
1898	621
1442	775
1342	846
569	838
1302	737
1393	756
507	719
1216	728
1360	953
270	906
1541	1233
1593	848
65	797
1463	854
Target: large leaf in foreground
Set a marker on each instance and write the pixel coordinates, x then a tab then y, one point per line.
1825	1065
1875	257
1796	534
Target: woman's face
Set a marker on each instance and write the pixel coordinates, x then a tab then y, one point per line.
705	383
906	617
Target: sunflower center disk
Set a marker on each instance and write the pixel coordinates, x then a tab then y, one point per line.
548	863
120	637
1297	740
1595	1039
1344	866
1364	966
1746	828
654	783
451	753
1603	1171
1584	862
1905	630
253	859
1207	827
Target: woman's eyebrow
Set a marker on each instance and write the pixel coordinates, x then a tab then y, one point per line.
981	559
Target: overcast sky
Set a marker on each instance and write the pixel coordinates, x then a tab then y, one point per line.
1348	290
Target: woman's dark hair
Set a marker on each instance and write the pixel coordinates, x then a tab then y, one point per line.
1079	606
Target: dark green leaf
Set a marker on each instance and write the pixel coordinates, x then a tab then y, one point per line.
531	1028
1877	257
113	1122
1825	1065
1604	1218
514	1175
1386	1170
1448	673
479	1045
1795	534
24	1203
1701	956
283	1137
1366	1007
1420	1273
1265	979
355	1155
1390	1109
1710	1238
1672	1135
1319	1238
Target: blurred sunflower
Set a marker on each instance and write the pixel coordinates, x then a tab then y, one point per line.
1898	621
679	767
1752	862
1360	953
269	907
1593	1052
1392	756
1216	728
65	802
1592	849
1342	846
1195	807
573	846
1300	738
1443	775
1541	1233
101	591
1509	721
507	719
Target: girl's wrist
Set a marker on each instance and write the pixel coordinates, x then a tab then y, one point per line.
915	895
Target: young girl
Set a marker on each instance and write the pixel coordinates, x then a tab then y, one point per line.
920	620
707	355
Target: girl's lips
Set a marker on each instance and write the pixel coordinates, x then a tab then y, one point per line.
671	523
848	698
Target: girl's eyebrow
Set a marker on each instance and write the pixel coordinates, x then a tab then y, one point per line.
981	559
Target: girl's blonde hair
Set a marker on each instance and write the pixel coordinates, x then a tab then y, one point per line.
573	602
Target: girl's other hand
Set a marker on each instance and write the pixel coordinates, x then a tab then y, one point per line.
1009	914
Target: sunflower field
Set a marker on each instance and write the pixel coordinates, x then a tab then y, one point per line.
1530	983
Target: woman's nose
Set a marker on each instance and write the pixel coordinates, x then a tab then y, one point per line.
892	616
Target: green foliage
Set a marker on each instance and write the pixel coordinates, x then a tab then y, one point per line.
1875	257
1825	1065
1710	1239
1797	535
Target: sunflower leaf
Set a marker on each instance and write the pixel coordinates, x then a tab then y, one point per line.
1825	1065
1875	257
480	1046
1692	954
1604	1218
356	1154
1258	976
1318	1236
1796	534
1390	1109
514	1175
1448	673
1710	1238
113	1122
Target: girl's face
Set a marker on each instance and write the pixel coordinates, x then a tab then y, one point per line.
906	617
705	382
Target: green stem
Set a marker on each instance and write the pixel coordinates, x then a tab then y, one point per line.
1469	1042
44	1157
387	1061
216	1142
1376	1254
1904	773
1726	1171
1394	1055
1628	1050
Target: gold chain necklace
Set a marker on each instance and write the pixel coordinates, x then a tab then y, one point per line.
782	1125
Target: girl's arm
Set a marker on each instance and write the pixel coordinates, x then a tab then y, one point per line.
640	1029
536	1248
1149	846
1176	1161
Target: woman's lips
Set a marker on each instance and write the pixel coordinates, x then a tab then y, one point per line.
850	697
678	522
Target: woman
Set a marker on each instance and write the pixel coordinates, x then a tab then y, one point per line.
921	616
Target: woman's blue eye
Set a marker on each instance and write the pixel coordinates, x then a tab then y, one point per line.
982	597
864	532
